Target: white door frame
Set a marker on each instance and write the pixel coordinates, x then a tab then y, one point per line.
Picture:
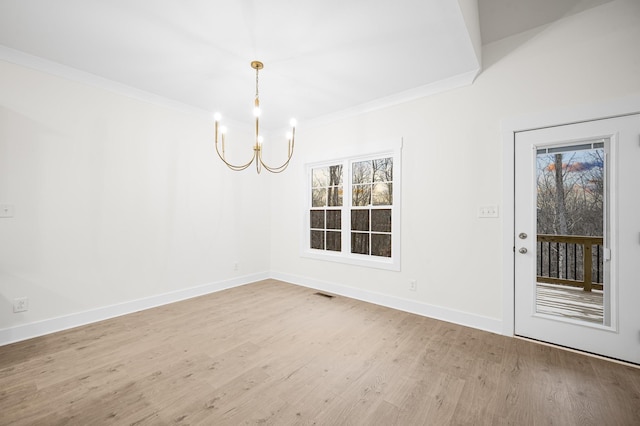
509	127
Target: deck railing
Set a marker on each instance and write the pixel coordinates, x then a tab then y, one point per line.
571	260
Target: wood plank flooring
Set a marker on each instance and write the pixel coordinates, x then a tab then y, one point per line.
274	353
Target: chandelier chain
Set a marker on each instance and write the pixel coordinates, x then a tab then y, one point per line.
257	93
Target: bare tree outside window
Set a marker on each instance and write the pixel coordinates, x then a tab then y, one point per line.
372	185
334	191
326	192
383	181
570	196
570	202
369	206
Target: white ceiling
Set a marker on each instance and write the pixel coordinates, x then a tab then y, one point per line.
321	57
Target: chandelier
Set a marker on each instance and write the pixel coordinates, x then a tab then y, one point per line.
257	147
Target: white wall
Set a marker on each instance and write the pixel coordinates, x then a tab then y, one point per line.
452	164
116	200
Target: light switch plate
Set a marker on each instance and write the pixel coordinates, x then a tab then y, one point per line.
488	211
6	210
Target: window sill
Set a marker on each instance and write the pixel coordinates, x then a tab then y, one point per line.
388	264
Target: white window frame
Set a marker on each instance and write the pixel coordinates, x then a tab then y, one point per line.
345	256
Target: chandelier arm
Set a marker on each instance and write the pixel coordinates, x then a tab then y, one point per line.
233	166
280	168
257	154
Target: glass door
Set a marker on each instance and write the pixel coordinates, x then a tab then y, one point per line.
577	253
572	231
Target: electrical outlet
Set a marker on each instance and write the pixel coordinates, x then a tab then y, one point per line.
236	266
413	285
20	304
6	210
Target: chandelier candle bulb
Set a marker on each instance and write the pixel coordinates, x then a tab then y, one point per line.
257	148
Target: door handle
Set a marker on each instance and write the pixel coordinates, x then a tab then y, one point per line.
523	250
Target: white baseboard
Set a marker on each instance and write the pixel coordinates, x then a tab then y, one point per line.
40	328
437	312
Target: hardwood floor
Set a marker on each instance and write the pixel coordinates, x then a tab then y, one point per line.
275	353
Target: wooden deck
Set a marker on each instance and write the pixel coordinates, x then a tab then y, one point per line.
570	302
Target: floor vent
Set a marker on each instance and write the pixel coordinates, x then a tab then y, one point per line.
328	296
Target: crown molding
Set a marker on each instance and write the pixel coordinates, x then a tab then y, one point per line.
455	82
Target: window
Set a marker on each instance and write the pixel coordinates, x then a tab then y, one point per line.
326	203
353	212
372	199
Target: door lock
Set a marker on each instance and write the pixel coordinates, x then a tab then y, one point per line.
522	236
523	250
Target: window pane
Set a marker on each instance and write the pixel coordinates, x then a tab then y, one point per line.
381	245
335	175
359	243
360	220
361	195
319	197
317	240
334	196
334	219
382	194
381	220
320	177
334	241
317	219
362	172
383	170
